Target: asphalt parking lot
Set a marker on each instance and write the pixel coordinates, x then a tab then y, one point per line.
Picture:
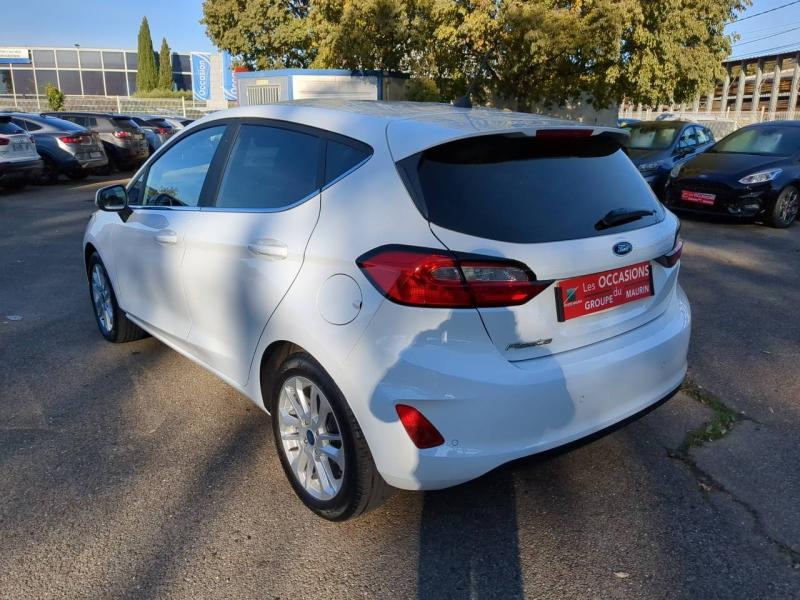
127	471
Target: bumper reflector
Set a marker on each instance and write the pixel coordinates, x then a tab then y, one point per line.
419	429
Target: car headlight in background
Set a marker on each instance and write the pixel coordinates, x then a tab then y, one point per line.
676	169
651	166
761	176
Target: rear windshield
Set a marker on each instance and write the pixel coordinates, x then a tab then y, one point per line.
769	141
125	123
527	190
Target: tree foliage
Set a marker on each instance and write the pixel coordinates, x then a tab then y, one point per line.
55	97
146	75
519	52
165	66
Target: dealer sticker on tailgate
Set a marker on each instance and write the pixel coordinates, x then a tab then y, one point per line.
589	294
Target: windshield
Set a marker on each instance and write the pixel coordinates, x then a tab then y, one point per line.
528	190
768	141
648	137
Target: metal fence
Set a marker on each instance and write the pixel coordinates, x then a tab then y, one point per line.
721	123
114	104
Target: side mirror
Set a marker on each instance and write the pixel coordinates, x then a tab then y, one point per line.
113	198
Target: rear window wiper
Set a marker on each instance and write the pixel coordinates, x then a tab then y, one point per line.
620	216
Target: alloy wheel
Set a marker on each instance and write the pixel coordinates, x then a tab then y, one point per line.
101	299
789	205
311	438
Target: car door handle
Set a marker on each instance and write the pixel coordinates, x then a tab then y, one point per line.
273	249
167	236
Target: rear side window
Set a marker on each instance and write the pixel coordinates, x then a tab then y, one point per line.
9	128
340	158
270	168
528	190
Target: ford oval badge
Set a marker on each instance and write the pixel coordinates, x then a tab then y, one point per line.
622	248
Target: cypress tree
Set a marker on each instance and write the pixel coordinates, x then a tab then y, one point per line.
146	77
165	66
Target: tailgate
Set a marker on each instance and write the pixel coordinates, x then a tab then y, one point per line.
569	205
534	328
18	148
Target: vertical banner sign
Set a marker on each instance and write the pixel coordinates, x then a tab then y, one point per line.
228	81
201	75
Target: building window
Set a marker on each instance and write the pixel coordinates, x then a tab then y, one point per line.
5	82
92	83
181	63
24	81
44	58
113	60
90	59
67	59
183	81
132	59
131	83
115	84
70	81
45	76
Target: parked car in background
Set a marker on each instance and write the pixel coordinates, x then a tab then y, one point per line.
753	173
156	133
125	144
19	161
627	121
65	147
397	336
175	122
655	147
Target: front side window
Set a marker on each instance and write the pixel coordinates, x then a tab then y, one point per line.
177	177
688	138
270	168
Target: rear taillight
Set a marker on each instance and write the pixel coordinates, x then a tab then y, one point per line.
122	134
439	279
163	130
4	141
419	429
671	258
73	139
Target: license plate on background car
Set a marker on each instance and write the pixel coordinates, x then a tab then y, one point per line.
698	197
95	154
589	294
19	147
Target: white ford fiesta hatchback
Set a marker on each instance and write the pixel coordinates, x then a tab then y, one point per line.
416	293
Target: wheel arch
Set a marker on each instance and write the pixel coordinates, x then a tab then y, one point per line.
88	250
274	354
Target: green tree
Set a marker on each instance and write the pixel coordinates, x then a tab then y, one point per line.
55	97
267	34
146	76
164	66
522	53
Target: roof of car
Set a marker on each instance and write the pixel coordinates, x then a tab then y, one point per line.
782	123
409	127
87	114
663	123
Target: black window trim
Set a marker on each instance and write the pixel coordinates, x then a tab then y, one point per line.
213	180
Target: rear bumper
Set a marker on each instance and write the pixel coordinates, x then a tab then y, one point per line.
491	411
20	170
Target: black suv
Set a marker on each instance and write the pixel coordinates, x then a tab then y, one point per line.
123	140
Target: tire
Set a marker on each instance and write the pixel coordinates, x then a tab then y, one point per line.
785	209
112	322
77	175
49	173
360	487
